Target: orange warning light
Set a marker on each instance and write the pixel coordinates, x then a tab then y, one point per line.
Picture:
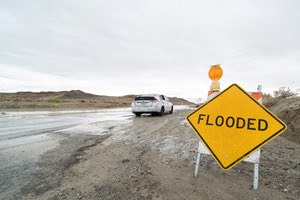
215	72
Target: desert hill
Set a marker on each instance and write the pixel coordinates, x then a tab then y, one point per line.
68	99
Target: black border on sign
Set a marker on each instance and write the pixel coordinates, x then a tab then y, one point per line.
253	149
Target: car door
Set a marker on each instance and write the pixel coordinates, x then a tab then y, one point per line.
163	100
170	104
167	104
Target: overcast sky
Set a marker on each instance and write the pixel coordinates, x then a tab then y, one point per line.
132	47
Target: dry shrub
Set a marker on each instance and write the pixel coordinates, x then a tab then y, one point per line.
284	92
281	93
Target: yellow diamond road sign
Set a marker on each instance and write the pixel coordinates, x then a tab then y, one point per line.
233	125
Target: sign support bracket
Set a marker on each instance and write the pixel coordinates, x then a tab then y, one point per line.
254	158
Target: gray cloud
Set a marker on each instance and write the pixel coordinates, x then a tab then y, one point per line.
120	47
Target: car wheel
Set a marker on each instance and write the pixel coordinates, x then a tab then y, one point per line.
171	110
138	114
162	111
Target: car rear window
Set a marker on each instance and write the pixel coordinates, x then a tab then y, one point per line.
143	98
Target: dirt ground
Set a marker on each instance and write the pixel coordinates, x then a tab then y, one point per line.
153	158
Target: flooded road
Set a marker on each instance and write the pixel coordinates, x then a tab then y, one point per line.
21	124
25	136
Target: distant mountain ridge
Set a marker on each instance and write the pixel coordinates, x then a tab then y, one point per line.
68	99
61	94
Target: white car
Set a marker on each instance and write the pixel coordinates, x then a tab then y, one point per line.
151	103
